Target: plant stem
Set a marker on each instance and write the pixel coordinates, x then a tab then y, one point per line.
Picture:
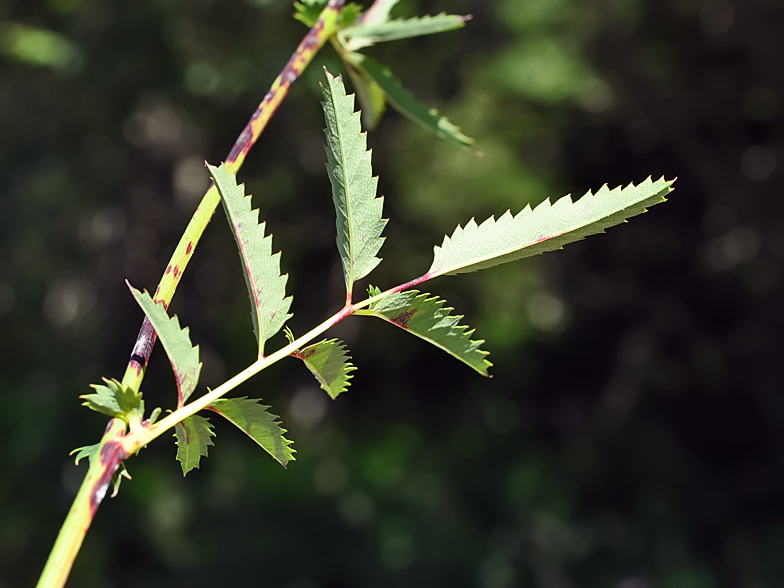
134	441
310	45
93	489
111	451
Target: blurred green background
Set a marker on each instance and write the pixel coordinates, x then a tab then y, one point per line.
633	433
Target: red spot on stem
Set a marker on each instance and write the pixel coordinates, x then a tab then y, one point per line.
189	248
168	271
176	271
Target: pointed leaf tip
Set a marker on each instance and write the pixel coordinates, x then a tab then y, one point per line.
405	103
547	227
261	268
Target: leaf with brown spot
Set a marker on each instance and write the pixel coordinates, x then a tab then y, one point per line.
266	286
258	423
184	357
193	438
329	362
428	318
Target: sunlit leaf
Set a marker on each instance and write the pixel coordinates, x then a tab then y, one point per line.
428	318
256	422
364	34
184	357
115	400
329	362
358	211
402	100
266	285
193	438
545	228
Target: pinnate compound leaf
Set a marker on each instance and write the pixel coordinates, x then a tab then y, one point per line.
183	356
359	223
330	363
428	318
266	285
364	34
193	438
544	228
256	422
402	100
116	400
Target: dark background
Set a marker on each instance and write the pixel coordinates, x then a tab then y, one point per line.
633	430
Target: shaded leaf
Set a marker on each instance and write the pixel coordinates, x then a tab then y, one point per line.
428	318
378	12
193	438
365	34
183	356
359	223
545	228
402	100
115	400
308	11
372	99
266	285
256	422
329	362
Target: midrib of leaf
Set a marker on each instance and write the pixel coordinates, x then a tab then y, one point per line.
354	187
260	266
534	231
349	205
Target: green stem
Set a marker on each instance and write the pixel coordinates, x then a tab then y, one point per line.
136	440
112	451
93	489
312	42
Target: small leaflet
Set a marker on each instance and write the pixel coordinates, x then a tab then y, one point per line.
544	228
405	103
183	356
115	400
256	422
330	363
88	451
428	318
194	436
308	11
364	34
266	286
358	211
